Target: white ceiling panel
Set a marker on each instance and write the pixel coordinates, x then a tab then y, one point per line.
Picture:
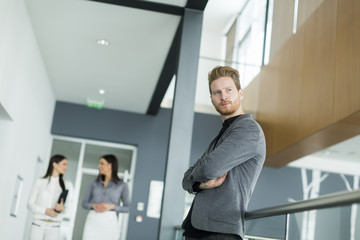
130	66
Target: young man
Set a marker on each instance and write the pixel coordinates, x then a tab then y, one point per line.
224	177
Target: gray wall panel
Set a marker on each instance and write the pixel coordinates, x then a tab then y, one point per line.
149	133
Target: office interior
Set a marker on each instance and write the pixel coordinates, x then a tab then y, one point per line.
299	66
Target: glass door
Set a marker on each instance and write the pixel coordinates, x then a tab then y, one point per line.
81	213
83	159
71	149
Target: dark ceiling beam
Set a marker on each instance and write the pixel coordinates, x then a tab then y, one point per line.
170	66
196	4
167	73
146	5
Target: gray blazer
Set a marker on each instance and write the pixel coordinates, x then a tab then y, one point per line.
240	152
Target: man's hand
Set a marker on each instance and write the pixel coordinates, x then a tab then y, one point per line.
214	183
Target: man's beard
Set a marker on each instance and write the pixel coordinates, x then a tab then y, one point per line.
228	110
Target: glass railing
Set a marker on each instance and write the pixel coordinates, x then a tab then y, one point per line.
331	217
179	233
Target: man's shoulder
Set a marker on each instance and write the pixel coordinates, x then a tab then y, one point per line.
246	119
249	125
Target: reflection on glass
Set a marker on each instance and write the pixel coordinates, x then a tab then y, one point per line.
324	224
83	159
250	40
189	198
80	212
269	228
71	150
94	152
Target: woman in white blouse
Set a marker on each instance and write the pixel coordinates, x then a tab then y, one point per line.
43	200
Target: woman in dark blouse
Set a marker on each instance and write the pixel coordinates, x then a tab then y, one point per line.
103	200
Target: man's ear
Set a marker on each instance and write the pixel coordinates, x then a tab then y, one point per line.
241	94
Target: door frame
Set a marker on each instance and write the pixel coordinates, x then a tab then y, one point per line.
127	176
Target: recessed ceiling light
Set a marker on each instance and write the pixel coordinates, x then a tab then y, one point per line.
102	91
103	42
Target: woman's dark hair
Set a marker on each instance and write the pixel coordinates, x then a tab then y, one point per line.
55	159
110	158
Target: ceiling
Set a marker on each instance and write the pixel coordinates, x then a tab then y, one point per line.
343	157
128	68
140	35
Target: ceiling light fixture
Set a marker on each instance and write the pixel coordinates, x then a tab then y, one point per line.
103	42
102	91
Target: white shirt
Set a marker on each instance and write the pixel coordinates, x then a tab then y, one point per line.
45	194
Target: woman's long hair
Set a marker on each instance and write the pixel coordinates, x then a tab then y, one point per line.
110	158
55	159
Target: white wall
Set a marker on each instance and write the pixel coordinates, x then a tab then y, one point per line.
27	97
211	51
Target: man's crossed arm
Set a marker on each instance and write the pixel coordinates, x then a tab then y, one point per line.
213	183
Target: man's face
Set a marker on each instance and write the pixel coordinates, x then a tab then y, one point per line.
225	97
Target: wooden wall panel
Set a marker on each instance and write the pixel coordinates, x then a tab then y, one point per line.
267	103
282	23
318	69
251	95
278	87
289	92
308	94
306	9
347	75
333	134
